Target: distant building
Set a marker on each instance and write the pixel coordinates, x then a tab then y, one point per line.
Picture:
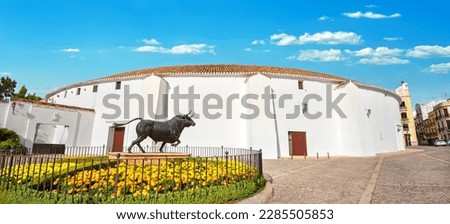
426	133
441	111
431	127
406	114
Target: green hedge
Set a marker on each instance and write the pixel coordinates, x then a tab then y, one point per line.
10	140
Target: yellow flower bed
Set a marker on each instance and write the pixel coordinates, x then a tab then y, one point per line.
34	172
136	179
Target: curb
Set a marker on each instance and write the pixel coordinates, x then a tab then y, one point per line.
262	197
406	151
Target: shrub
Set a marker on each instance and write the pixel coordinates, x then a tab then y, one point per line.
10	140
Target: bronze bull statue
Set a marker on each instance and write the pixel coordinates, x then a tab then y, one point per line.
160	131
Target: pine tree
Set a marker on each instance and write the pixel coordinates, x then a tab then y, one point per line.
22	92
7	86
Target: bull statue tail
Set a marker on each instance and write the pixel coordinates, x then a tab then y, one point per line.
122	124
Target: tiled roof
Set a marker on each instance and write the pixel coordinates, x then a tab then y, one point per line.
52	105
223	69
212	70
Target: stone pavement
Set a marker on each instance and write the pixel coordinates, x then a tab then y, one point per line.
417	175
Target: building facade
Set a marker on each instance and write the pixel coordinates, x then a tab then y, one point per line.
441	111
294	115
426	130
283	111
407	117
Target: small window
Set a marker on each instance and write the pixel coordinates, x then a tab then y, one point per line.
300	84
118	85
95	88
404	115
305	107
65	94
402	104
78	91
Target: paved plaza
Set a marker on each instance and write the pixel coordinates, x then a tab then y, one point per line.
418	175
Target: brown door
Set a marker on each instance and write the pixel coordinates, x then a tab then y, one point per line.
118	139
298	143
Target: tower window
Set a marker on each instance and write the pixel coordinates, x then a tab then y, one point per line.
78	91
95	88
404	115
118	85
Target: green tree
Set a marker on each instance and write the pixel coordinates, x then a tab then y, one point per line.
22	92
33	97
7	86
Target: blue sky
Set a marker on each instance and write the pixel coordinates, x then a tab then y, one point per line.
51	44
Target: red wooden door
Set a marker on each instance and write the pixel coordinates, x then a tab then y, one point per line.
118	139
298	140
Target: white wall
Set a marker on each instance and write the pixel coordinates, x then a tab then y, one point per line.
365	135
321	133
85	99
358	134
3	112
27	116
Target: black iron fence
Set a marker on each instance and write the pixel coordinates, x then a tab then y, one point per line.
90	151
210	175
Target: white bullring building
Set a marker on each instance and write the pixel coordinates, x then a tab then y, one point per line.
282	111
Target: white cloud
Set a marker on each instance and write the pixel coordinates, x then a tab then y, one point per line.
379	56
5	73
325	37
383	61
370	15
328	37
428	51
443	68
323	18
71	50
392	38
257	51
318	55
292	57
378	52
256	42
179	49
151	41
283	39
151	49
190	49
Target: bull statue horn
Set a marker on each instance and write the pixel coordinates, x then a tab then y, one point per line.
189	114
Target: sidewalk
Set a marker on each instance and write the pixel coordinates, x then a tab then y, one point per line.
416	175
